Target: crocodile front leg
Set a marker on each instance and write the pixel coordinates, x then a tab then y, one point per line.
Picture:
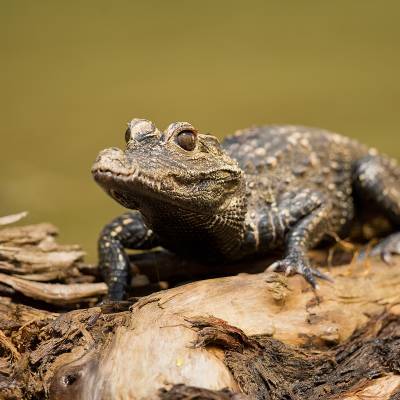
127	231
306	232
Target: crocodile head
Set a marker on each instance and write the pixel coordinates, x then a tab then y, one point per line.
179	168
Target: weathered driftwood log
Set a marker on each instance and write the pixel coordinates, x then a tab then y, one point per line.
261	336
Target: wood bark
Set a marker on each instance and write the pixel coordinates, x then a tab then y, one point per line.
235	335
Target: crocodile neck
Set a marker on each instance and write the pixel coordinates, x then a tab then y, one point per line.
196	234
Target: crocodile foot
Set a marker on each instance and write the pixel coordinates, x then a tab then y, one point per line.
298	264
387	248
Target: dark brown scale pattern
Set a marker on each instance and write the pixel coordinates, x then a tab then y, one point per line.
264	188
280	162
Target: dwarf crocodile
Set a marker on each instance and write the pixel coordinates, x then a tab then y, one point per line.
263	188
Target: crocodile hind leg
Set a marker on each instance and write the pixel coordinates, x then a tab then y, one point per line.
377	180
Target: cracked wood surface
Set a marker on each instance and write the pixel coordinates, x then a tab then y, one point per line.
135	349
158	337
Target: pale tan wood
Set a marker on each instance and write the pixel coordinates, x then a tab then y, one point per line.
155	346
106	353
55	292
380	389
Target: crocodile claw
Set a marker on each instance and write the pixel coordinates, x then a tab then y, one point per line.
295	264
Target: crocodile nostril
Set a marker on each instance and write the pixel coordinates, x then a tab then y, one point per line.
128	135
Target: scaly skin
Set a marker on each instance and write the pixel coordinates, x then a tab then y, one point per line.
263	188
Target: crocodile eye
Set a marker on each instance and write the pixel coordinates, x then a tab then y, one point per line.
186	140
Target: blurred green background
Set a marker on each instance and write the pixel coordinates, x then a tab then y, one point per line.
73	73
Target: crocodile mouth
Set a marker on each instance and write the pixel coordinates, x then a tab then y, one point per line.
134	187
131	188
132	180
137	190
